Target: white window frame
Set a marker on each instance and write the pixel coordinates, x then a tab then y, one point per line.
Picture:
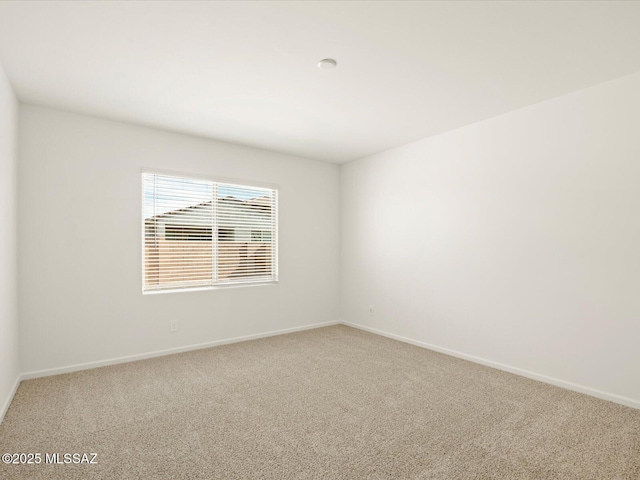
215	180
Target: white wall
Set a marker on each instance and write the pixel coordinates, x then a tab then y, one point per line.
80	242
515	240
9	359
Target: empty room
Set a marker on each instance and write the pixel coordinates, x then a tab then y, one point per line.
319	240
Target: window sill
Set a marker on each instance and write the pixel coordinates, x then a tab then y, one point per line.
212	287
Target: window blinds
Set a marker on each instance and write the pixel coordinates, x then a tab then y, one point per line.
200	233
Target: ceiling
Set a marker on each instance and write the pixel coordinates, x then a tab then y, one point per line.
245	72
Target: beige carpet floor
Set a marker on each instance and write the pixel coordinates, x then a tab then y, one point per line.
332	403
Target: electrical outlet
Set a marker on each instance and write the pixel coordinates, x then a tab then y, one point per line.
371	310
173	326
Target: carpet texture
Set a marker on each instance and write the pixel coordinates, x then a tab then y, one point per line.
331	403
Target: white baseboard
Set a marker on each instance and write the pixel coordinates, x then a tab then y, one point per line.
9	399
629	402
168	351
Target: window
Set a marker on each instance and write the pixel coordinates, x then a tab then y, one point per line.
180	250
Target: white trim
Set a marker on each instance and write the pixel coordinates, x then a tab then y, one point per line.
169	351
9	399
629	402
217	286
612	397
